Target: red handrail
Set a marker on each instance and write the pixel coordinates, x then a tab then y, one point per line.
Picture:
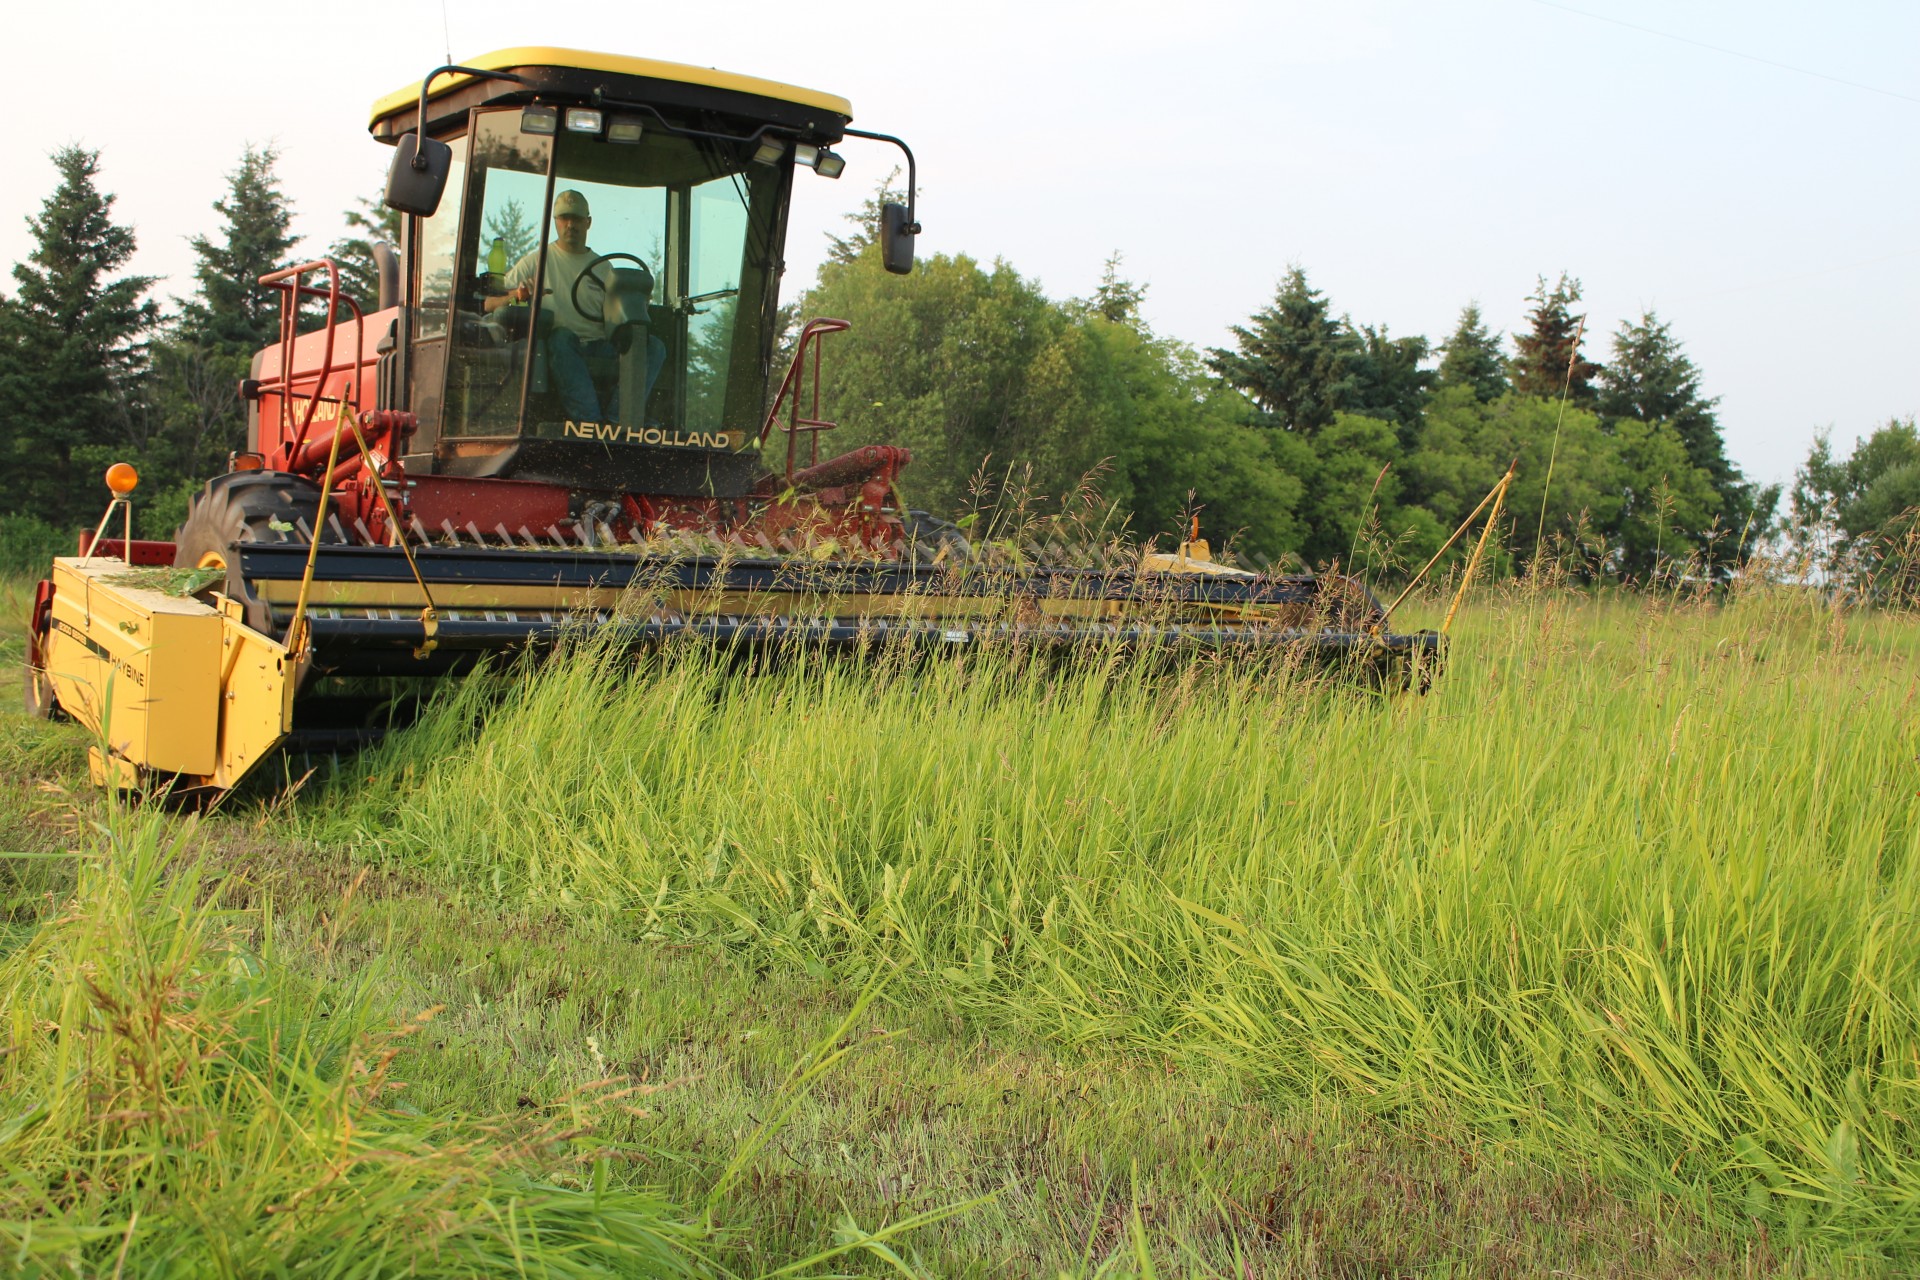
813	424
289	280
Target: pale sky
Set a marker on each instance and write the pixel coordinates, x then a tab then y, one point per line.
1411	156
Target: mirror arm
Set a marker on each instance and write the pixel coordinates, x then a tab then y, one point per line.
913	223
420	121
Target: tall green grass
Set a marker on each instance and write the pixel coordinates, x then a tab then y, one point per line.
173	1103
1635	888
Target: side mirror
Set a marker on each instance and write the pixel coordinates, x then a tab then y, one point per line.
417	189
896	239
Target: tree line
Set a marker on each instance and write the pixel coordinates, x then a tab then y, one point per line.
1309	440
94	370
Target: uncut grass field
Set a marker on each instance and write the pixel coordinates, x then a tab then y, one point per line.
1599	960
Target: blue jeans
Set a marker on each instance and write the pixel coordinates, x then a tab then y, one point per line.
567	355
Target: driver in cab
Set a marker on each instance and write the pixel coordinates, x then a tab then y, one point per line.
576	335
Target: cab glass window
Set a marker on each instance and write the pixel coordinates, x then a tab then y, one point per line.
437	240
488	352
659	321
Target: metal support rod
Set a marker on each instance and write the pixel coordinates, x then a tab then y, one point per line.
1498	488
100	530
1474	562
913	223
420	120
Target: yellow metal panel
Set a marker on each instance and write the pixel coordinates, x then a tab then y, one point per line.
617	64
138	667
452	599
257	681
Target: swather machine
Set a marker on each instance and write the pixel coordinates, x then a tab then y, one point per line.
524	436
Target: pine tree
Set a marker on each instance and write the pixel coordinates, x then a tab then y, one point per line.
231	313
516	233
1116	299
1652	380
1296	362
72	350
1548	356
229	318
1471	358
1389	382
367	222
866	223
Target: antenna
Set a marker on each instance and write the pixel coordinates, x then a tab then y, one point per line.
446	29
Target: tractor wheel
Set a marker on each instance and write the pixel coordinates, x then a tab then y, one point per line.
39	700
37	686
933	541
248	506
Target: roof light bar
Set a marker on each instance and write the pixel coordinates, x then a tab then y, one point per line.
818	159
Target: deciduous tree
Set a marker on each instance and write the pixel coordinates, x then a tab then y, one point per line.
1860	515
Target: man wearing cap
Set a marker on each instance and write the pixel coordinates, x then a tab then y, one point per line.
575	335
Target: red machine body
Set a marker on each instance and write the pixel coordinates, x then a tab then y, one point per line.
315	416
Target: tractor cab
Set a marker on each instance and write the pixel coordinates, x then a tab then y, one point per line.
591	268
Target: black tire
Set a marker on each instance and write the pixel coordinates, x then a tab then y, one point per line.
37	691
248	506
930	540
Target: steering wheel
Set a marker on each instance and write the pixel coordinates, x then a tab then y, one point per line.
586	273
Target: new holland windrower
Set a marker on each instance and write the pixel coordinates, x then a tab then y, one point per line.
562	416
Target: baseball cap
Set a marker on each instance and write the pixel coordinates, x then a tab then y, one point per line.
570	202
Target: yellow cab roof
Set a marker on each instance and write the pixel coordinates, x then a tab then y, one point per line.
615	64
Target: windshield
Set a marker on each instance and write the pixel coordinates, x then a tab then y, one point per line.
619	292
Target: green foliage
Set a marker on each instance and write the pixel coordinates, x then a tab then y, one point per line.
1547	358
1472	358
1118	300
1389	382
1859	517
1468	444
959	363
229	318
1669	504
73	351
1295	361
368	222
28	545
1181	446
229	311
1345	485
1652	380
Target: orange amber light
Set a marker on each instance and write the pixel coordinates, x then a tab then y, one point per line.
121	478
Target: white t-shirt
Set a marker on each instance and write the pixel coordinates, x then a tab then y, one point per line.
563	268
